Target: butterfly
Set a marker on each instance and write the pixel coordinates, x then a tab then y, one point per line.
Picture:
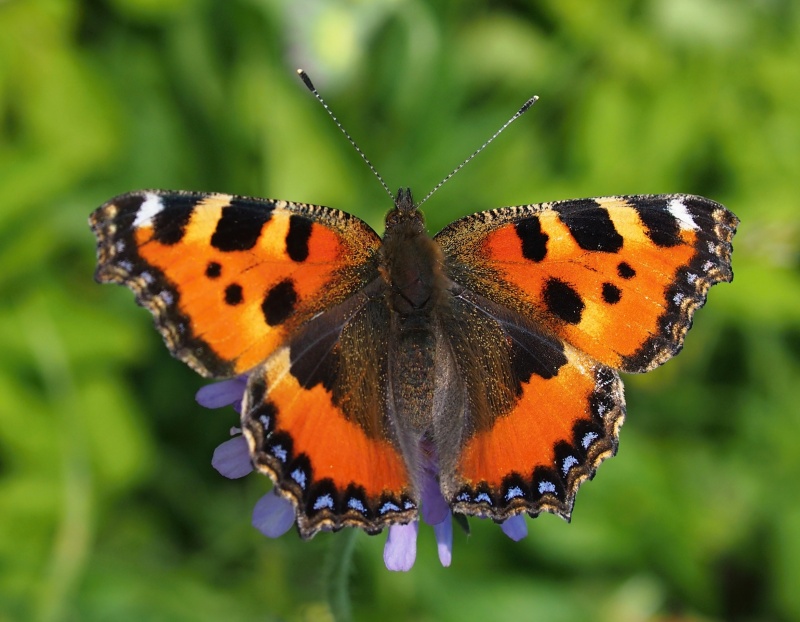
492	349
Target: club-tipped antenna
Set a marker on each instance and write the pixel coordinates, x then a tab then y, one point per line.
516	116
310	85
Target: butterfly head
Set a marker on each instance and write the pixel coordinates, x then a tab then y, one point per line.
405	215
404	201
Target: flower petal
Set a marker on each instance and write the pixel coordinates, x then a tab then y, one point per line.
434	505
225	393
444	540
515	527
400	551
232	458
273	515
435	508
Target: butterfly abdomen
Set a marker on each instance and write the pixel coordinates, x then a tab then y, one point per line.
411	265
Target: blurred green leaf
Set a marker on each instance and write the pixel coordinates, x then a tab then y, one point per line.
109	508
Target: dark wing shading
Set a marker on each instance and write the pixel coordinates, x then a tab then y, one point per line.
528	417
619	278
229	278
316	422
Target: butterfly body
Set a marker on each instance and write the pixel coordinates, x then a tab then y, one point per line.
487	355
414	291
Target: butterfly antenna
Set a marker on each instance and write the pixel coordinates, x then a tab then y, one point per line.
310	85
516	116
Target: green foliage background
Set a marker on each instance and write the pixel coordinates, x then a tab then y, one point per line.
109	508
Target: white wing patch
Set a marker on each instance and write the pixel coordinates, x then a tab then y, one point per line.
149	209
677	208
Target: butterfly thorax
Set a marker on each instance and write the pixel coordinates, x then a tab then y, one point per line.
411	265
411	262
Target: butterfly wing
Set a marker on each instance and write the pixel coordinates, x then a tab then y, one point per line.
618	277
316	418
527	417
228	278
280	291
568	294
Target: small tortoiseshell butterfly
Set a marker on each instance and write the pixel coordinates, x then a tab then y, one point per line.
493	348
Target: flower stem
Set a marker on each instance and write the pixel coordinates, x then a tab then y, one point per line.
337	574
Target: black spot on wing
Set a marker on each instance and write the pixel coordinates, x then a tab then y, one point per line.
233	294
534	240
611	293
297	238
591	226
240	225
662	227
563	301
279	303
625	270
169	225
213	270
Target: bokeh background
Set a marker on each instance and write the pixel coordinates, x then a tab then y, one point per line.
109	507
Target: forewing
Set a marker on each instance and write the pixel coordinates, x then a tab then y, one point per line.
618	278
228	278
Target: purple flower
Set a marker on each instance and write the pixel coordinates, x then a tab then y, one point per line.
274	515
232	458
401	544
225	393
515	527
400	551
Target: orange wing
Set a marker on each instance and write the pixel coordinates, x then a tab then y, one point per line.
289	293
315	416
229	278
547	303
527	418
618	278
535	456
